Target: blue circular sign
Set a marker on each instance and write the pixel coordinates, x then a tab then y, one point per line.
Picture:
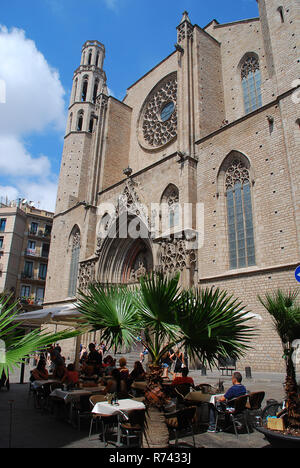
297	274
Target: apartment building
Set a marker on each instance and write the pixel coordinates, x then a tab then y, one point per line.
25	234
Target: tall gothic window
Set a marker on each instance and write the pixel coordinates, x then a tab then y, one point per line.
239	216
80	121
170	199
74	267
251	83
84	89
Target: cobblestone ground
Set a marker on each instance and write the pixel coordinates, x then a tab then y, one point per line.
32	428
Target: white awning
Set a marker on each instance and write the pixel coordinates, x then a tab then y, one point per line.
64	315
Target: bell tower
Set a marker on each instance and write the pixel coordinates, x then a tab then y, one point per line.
89	81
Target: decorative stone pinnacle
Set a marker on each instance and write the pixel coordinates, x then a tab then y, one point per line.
127	171
185	17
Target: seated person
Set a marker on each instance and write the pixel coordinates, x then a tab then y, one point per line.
109	363
137	373
40	372
124	372
60	371
115	384
184	379
72	376
235	391
88	374
94	358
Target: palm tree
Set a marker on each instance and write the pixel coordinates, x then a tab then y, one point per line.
285	312
15	345
207	322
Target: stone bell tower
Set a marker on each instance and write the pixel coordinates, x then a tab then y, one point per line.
89	81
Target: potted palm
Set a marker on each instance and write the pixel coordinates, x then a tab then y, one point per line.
206	322
284	309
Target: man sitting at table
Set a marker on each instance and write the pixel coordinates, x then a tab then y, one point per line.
235	391
184	379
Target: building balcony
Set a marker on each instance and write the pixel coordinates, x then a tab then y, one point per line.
32	277
36	253
41	234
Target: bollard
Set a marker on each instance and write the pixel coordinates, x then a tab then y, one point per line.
248	372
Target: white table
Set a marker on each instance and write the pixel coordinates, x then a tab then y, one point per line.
214	398
70	396
40	383
104	409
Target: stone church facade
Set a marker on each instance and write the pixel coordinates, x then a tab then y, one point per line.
215	127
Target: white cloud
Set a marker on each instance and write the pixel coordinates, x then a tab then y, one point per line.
34	104
111	4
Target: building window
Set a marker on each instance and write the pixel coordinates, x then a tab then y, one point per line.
25	291
251	83
42	271
28	270
91	125
40	292
95	93
280	11
34	228
74	267
239	216
1	242
97	59
48	229
80	121
170	207
84	89
90	58
45	250
2	224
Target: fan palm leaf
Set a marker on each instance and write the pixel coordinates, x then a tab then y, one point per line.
18	345
213	323
110	309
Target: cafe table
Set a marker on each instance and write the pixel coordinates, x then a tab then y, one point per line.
200	397
105	409
40	383
71	396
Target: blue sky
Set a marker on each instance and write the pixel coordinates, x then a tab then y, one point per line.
40	47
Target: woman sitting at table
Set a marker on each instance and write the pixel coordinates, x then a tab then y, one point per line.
124	371
137	374
60	371
40	372
71	377
109	363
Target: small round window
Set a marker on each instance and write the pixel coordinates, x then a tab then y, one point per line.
167	111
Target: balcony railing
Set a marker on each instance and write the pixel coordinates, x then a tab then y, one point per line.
39	233
36	253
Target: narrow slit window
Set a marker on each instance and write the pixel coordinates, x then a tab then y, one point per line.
84	90
280	11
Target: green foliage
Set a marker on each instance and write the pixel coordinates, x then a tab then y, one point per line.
18	345
285	312
208	322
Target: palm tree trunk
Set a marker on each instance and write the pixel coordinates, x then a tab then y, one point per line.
156	433
291	388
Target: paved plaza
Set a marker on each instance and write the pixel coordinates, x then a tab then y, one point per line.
32	428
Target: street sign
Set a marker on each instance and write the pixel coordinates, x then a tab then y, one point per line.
297	274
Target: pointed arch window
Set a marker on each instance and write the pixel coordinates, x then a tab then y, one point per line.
74	267
171	199
84	89
90	58
97	59
95	92
80	121
251	83
239	216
